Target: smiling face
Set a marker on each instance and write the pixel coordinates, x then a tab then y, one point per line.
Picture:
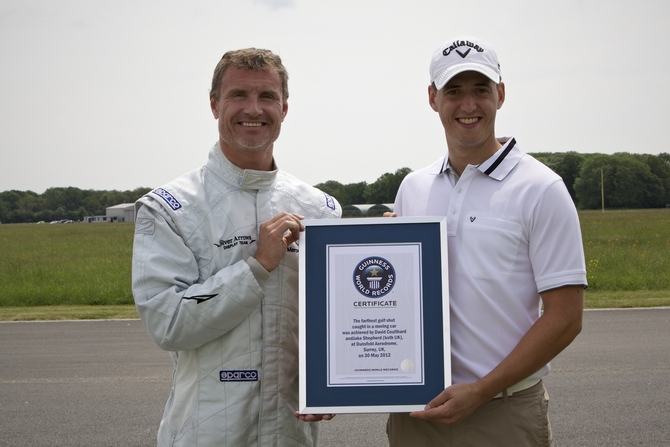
250	109
467	106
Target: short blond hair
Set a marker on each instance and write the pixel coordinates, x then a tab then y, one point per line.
249	59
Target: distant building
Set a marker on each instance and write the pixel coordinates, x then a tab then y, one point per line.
124	212
367	210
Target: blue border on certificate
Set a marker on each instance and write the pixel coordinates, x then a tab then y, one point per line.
431	234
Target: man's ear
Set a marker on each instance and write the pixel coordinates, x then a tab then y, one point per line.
284	110
432	92
501	94
214	105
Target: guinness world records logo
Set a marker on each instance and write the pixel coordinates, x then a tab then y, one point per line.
374	277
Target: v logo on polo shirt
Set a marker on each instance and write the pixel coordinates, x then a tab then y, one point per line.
472	218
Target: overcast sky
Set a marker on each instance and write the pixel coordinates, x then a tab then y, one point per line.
114	94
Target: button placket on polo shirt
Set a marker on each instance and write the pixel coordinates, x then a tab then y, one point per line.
457	198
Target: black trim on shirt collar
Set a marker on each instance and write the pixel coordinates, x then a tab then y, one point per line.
502	156
445	165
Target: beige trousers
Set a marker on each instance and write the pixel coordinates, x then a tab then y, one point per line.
519	420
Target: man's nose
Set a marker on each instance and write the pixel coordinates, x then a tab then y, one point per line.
469	104
253	107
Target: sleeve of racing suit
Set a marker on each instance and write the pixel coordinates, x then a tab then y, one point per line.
178	312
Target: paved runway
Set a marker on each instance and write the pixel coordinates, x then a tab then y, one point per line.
104	383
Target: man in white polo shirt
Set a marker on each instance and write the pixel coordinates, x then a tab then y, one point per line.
514	245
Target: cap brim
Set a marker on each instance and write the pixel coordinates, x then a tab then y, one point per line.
444	77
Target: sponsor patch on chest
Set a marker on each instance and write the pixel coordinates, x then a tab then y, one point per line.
239	375
234	242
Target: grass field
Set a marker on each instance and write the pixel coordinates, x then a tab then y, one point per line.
83	270
65	264
627	250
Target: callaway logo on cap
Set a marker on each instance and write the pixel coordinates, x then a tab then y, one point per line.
463	54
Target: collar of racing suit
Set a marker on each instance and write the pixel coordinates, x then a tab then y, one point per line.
243	178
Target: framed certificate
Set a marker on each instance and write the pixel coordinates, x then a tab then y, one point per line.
374	314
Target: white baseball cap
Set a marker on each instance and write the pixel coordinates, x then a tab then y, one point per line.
461	54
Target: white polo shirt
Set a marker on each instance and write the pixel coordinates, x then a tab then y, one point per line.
513	232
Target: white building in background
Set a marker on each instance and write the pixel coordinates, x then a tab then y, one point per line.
124	212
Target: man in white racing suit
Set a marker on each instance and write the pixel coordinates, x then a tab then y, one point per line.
215	272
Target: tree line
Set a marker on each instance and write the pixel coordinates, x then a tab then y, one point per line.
628	181
383	190
61	203
624	180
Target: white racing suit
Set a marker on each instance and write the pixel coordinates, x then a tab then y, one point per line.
230	326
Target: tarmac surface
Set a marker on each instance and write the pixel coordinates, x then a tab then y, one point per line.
104	383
